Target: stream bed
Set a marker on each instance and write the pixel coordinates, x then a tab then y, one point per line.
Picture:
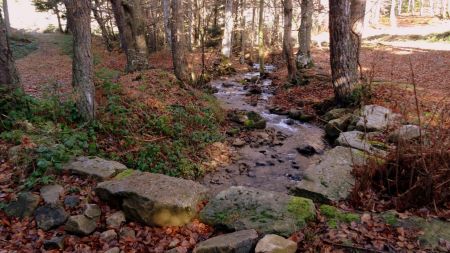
270	158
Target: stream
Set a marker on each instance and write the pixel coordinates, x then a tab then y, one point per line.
270	159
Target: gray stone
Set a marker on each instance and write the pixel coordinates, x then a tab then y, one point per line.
241	208
55	243
238	142
80	225
72	201
116	219
95	167
405	133
108	235
154	199
331	178
50	216
375	118
300	115
335	114
51	193
334	127
113	250
251	120
24	206
275	244
127	232
238	242
92	211
358	140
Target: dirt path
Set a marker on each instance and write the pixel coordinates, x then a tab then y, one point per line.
46	71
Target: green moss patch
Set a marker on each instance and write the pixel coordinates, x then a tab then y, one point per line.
335	216
124	174
303	210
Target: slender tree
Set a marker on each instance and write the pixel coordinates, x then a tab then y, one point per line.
287	41
304	35
392	17
261	37
228	31
243	32
179	47
6	12
166	17
107	40
132	30
54	6
83	66
8	72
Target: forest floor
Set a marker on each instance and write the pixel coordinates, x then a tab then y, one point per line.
46	73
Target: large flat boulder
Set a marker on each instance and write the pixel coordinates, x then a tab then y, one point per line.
154	199
238	242
331	178
405	133
241	208
24	206
95	167
358	140
375	118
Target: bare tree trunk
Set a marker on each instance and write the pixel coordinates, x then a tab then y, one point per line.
261	37
377	12
6	13
421	7
58	17
166	16
102	25
304	35
8	73
132	32
274	42
227	33
287	42
243	32
83	66
252	33
180	63
190	37
399	8
392	17
343	63
432	5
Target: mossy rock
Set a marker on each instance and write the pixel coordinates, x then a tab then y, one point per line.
335	216
240	208
124	174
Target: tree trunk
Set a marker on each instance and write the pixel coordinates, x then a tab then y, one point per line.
83	66
180	63
287	42
102	25
274	42
432	7
132	32
261	37
252	32
304	35
58	17
191	22
8	73
227	33
421	7
399	7
166	16
392	17
344	72
6	12
377	12
243	32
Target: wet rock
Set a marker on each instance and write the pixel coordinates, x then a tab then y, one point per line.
115	220
251	120
433	230
238	242
108	235
335	114
242	208
227	84
71	201
290	122
357	140
278	110
51	193
275	244
238	142
24	206
300	115
80	225
92	211
331	179
306	150
113	250
127	232
154	199
334	127
375	118
95	167
50	216
55	243
405	133
254	89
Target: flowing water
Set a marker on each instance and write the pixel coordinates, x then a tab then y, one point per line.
270	159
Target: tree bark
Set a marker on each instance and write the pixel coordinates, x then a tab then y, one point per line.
166	17
275	38
6	12
179	48
304	35
82	66
132	31
343	63
9	77
287	42
421	7
58	17
243	32
227	33
399	7
261	37
252	32
392	17
102	25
